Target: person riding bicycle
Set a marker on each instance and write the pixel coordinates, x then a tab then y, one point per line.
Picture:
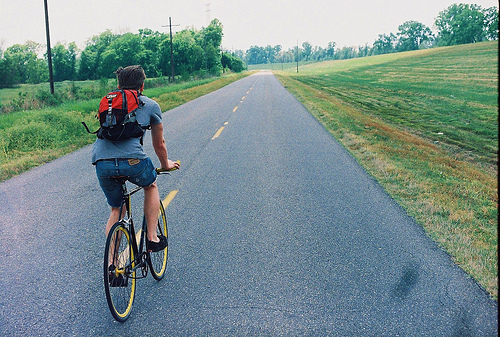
126	158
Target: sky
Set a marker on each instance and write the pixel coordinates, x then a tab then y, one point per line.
245	23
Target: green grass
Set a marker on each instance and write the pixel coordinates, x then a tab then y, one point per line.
29	138
425	125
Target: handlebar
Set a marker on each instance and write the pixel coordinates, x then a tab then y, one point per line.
161	170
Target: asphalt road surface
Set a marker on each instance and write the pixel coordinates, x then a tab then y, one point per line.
275	230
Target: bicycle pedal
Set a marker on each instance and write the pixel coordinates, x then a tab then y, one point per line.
118	281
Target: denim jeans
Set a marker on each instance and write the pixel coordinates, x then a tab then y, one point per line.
140	172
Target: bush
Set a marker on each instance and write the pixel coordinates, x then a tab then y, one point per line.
156	82
45	98
22	138
232	63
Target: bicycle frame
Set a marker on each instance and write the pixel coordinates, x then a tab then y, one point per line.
127	220
140	254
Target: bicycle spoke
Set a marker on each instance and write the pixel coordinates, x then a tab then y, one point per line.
119	276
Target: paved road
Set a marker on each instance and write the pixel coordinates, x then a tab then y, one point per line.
276	230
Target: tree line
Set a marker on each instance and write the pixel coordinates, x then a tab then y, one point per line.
195	53
198	52
458	24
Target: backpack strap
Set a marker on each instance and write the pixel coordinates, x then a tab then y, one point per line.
87	128
140	103
124	100
110	105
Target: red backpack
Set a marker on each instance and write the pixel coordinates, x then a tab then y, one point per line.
117	116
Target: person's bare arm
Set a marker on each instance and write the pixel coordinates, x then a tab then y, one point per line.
161	147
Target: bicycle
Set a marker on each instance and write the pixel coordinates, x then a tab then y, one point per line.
126	258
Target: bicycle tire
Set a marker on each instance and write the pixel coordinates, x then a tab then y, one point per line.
120	298
158	260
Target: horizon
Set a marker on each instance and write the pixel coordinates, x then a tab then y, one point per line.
264	22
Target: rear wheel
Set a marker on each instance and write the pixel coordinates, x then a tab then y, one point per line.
119	276
158	260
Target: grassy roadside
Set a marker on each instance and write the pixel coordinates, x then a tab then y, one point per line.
425	125
30	138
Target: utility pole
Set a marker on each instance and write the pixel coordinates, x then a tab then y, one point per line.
207	10
297	56
49	53
171	48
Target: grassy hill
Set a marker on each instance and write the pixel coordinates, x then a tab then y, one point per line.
425	125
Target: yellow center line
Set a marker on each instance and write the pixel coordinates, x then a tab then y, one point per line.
235	108
169	198
217	134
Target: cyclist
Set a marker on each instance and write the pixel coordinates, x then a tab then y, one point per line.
126	158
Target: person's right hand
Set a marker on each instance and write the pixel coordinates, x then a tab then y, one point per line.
173	165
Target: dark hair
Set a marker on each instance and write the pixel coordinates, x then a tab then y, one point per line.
131	77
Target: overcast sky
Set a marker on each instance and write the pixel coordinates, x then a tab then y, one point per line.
246	23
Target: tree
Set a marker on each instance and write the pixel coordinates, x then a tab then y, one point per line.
277	53
212	39
20	64
318	53
491	23
64	61
346	53
88	65
460	24
213	59
256	55
233	63
91	58
225	60
289	55
330	50
108	63
129	50
269	50
412	34
189	55
194	51
8	73
363	51
307	50
213	33
153	51
384	44
239	54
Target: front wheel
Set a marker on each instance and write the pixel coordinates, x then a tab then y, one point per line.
158	260
119	273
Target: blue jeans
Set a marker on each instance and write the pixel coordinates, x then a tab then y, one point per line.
140	172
